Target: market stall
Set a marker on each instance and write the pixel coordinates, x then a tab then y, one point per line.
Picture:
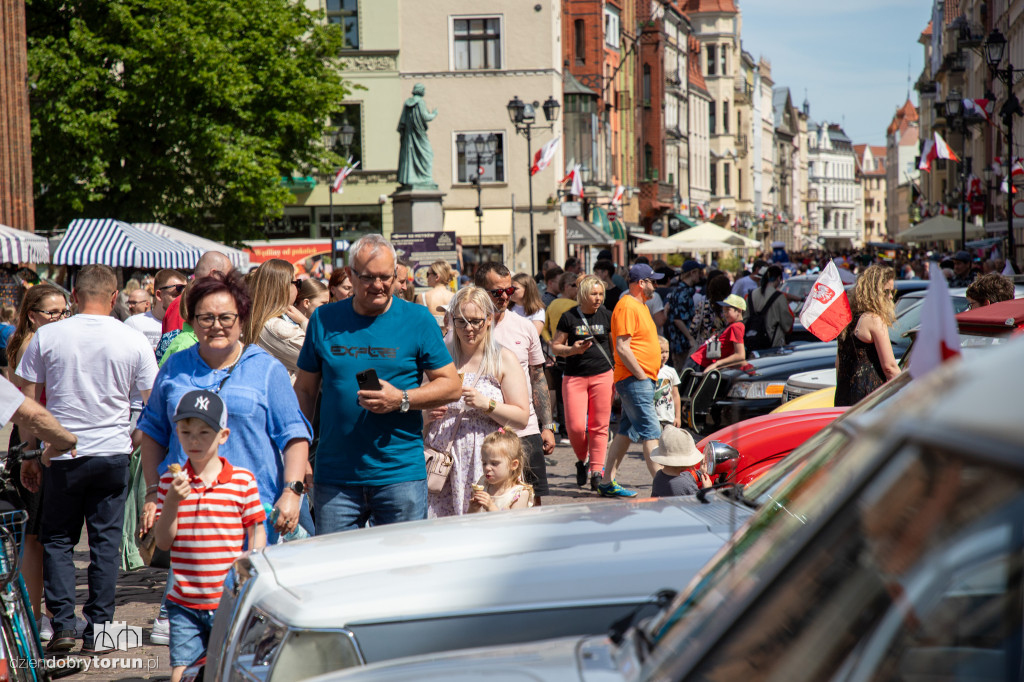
118	244
19	246
238	258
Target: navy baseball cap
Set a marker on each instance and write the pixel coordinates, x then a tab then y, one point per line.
205	405
642	271
691	265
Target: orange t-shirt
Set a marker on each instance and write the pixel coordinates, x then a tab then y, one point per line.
632	318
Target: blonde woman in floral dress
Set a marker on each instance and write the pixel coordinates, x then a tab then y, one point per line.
493	395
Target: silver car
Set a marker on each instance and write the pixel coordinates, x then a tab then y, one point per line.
348	599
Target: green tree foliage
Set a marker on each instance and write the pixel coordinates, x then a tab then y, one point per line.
186	112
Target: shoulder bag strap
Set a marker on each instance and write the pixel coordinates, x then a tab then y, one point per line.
599	347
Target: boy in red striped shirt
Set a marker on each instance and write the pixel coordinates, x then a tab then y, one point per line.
206	512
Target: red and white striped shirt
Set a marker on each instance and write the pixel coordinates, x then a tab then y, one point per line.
212	523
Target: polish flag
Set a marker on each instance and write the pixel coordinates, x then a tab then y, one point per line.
826	312
577	182
1017	168
978	107
937	339
339	179
927	155
1005	187
942	149
617	197
542	159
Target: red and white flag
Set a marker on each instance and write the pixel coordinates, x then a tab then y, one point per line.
339	179
978	107
577	182
542	159
826	312
937	339
927	155
942	150
617	197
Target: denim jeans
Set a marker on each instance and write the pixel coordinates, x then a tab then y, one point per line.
190	633
347	507
93	490
638	420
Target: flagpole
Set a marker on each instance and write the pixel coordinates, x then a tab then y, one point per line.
330	195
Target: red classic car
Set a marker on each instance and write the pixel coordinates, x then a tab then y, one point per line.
763	441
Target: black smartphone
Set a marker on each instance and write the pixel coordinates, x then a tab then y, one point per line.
368	381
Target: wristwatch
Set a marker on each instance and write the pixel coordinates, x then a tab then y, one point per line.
405	402
297	487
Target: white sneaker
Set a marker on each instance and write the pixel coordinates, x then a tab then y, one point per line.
161	632
45	629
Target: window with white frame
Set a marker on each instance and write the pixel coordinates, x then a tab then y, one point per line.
612	22
476	43
469	163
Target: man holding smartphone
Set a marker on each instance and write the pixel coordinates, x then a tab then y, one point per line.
368	353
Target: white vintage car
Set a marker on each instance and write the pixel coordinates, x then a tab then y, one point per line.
325	604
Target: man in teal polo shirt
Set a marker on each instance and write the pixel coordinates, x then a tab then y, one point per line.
369	463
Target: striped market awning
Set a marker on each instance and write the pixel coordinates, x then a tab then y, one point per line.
19	246
240	259
117	244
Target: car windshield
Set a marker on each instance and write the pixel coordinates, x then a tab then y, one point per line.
910	318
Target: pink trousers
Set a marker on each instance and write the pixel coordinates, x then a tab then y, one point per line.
588	407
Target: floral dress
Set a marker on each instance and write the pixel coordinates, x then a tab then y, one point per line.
475	425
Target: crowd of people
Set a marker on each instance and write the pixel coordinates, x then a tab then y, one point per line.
317	400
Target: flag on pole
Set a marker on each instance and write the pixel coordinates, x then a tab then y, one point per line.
942	149
927	155
577	182
937	339
978	107
657	10
542	159
617	197
568	176
339	179
826	312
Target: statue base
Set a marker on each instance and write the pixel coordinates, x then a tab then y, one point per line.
418	210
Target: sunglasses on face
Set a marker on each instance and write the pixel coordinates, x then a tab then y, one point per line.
497	293
178	288
297	283
475	323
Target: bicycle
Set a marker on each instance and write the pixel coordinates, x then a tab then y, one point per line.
19	634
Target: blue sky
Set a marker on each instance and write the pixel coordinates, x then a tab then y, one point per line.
851	56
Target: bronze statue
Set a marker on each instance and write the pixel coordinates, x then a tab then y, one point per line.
415	157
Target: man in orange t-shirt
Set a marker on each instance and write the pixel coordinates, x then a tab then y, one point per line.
637	361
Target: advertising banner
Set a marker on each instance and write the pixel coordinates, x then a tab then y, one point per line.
420	249
309	256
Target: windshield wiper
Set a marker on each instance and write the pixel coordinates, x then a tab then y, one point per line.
619	628
702	494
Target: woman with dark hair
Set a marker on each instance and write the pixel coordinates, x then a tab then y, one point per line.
339	285
269	435
312	293
767	300
864	357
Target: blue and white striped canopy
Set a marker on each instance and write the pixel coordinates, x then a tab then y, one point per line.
238	258
19	246
117	244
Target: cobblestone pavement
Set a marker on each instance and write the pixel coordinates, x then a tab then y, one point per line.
138	592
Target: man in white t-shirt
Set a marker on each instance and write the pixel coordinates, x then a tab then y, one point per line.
88	365
143	318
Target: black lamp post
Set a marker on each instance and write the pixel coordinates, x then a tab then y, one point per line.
955	117
995	47
342	135
483	150
523	116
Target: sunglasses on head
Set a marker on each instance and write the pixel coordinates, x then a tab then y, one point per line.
496	293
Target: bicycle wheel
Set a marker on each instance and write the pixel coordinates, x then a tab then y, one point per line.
18	669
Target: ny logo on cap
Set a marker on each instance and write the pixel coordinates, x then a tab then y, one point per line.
202	403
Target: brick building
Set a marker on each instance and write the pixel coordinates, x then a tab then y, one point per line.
15	129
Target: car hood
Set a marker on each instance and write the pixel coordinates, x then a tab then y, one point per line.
817	378
552	660
782	365
368	575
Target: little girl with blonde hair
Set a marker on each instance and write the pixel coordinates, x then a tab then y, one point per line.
502	486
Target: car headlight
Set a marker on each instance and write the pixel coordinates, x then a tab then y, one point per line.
752	390
261	639
309	653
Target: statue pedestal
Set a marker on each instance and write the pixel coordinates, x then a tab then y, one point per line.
418	210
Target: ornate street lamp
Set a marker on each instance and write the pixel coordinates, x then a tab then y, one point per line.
995	49
523	116
483	150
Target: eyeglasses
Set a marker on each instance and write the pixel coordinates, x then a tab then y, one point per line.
973	305
132	304
475	323
496	293
178	288
297	283
53	314
367	280
206	320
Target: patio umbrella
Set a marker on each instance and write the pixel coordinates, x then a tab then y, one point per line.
662	245
710	231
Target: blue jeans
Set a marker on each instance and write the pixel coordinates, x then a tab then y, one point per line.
190	633
93	490
347	507
638	421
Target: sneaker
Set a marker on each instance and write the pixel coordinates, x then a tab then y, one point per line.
161	633
581	474
613	489
45	629
61	642
595	480
564	441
